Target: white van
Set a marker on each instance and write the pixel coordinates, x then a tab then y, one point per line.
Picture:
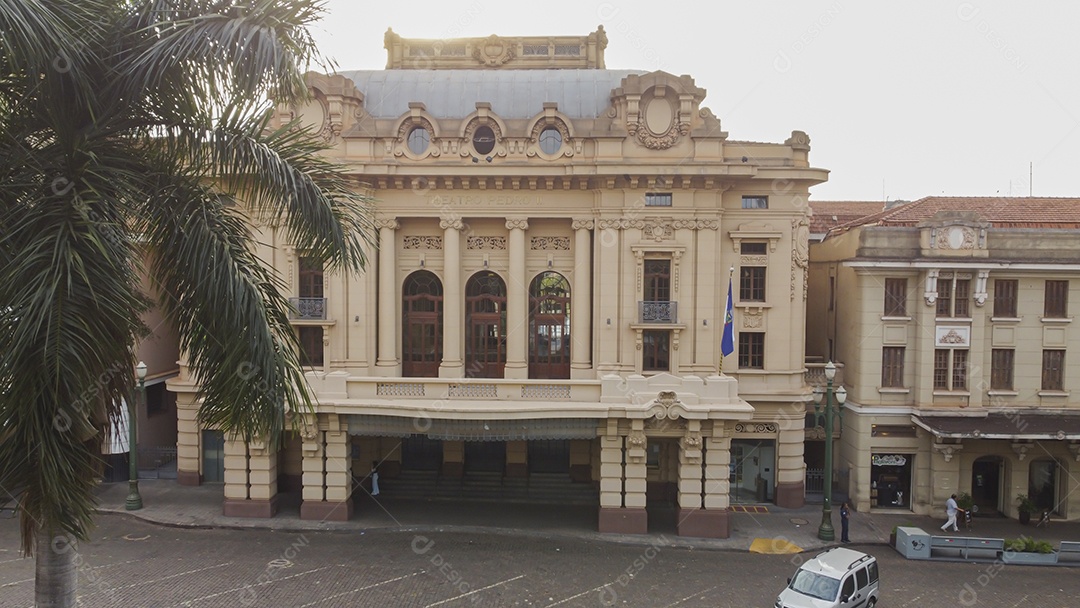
837	578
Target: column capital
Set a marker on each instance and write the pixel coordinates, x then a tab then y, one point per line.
582	224
517	223
452	223
387	222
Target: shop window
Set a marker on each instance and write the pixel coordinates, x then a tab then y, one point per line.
950	369
1053	375
1056	304
895	297
1042	485
752	284
751	350
1005	291
890	480
892	366
1001	369
755	202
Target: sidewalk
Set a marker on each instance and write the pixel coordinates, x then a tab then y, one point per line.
167	503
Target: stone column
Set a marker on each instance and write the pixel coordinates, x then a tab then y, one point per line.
260	488
188	437
236	473
388	298
453	301
327	490
581	299
791	468
716	495
622	481
694	518
517	302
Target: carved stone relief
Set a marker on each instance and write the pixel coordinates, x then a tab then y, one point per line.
491	243
550	243
421	242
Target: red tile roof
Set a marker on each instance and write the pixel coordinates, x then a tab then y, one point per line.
1001	212
827	214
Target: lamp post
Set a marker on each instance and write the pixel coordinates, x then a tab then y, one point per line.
826	530
134	500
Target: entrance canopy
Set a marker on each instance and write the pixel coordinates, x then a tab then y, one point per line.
473	430
1013	425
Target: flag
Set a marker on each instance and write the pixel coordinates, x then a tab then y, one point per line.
727	342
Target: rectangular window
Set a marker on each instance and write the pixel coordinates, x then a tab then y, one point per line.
656	349
311	278
895	297
892	366
658	199
657	281
950	369
1053	376
755	202
1001	369
752	248
751	350
311	346
1057	300
752	284
953	297
1005	291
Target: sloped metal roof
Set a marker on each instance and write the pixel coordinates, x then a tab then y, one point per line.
511	93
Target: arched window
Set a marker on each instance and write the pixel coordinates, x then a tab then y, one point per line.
421	326
549	327
418	141
485	326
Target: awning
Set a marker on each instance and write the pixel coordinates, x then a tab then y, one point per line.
473	430
1014	425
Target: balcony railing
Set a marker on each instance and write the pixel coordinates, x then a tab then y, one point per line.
307	308
658	312
815	374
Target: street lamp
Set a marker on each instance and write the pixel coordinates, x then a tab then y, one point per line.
825	530
134	501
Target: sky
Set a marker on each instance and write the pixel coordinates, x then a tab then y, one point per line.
901	99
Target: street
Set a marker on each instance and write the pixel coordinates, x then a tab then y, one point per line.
132	563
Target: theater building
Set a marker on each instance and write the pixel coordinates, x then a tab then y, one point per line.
546	297
953	319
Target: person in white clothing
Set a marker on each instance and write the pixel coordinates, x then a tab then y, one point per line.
374	478
951	509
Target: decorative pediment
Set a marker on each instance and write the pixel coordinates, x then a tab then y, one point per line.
666	405
755	231
660	108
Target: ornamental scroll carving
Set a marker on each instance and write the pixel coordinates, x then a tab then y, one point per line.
550	243
753	319
489	243
493	51
695	225
658	231
422	242
390	223
691	447
622	223
800	253
517	224
582	224
454	224
666	406
754	260
756	427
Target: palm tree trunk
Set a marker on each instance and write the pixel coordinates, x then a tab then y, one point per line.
56	578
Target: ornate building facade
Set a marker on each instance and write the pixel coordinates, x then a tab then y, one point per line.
547	294
953	319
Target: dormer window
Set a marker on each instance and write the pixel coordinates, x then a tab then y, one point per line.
551	140
418	141
483	140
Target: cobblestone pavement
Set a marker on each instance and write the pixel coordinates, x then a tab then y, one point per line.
132	563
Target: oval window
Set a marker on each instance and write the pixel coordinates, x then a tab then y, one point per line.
550	140
483	140
418	141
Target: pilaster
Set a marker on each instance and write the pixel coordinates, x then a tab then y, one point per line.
453	311
581	301
388	298
517	321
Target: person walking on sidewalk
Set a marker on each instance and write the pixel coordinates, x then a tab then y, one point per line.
951	508
374	478
844	513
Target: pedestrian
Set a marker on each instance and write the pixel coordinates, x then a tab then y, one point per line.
374	478
951	509
844	513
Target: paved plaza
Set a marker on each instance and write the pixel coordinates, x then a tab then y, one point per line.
131	562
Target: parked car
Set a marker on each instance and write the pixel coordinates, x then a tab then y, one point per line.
837	578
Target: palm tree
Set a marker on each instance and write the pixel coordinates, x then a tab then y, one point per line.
135	137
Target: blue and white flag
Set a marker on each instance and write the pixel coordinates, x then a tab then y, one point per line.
727	342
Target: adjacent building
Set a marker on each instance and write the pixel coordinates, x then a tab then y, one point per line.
953	318
547	294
